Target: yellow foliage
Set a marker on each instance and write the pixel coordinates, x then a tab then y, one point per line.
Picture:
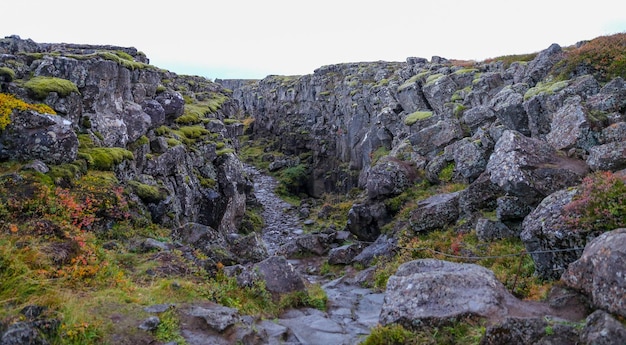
8	103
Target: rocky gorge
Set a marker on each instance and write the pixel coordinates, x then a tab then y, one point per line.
159	189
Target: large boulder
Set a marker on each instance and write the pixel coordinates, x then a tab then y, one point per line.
366	219
599	272
279	276
432	292
551	242
435	212
388	178
530	168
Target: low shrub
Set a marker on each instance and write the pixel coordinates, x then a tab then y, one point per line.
600	204
8	103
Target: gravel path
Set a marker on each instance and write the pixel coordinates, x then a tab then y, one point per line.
351	310
281	219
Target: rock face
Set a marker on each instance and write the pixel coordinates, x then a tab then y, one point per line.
31	135
374	125
122	103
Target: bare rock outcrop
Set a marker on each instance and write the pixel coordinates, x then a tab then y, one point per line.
32	135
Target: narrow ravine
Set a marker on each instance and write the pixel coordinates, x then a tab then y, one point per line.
351	309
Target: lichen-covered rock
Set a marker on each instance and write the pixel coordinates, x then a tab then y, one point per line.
365	220
512	208
530	168
279	276
611	156
435	212
552	243
513	330
470	158
32	135
431	292
481	194
570	128
508	108
345	254
388	178
599	272
216	317
206	239
489	230
602	329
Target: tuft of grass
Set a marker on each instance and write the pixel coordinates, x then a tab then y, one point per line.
465	331
40	87
508	60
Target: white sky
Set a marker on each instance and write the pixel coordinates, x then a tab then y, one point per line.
256	38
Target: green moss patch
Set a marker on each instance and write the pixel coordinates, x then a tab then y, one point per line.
40	87
412	118
146	192
106	158
547	88
7	74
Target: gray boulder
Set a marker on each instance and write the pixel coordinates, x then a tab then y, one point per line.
517	330
570	128
509	109
611	156
435	212
530	168
603	329
388	178
279	276
432	292
216	317
365	220
552	244
599	272
489	230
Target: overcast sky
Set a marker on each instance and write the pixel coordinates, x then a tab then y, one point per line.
256	38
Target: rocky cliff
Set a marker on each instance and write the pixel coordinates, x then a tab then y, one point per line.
513	130
117	101
521	149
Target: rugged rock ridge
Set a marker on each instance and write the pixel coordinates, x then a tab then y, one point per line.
120	101
508	130
518	137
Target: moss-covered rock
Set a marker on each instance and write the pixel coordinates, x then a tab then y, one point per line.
40	87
